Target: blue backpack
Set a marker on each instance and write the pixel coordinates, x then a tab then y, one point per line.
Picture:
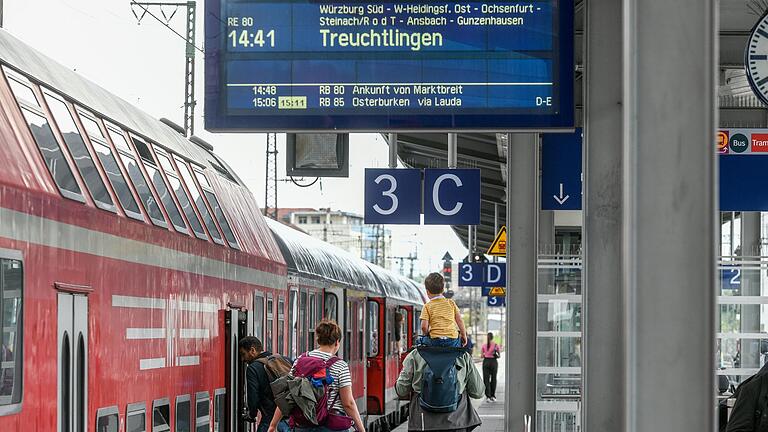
440	386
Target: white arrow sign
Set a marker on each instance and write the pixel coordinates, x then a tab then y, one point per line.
561	199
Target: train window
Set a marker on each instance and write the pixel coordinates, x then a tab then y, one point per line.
331	306
116	136
80	154
160	187
92	128
270	323
312	321
294	324
390	323
258	316
22	91
218	213
161	415
183	414
197	198
116	179
280	324
139	182
143	150
219	408
107	420
11	296
401	329
181	196
348	325
303	324
360	331
202	412
373	329
136	418
52	155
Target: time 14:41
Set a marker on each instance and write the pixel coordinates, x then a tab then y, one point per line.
249	39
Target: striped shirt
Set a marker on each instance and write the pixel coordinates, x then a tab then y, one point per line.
340	374
441	312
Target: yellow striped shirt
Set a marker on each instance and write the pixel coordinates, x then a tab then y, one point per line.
440	312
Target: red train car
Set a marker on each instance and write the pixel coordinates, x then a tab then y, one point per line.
126	255
132	260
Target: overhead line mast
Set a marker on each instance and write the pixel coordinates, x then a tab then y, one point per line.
189	37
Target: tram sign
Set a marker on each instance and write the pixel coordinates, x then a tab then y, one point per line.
365	65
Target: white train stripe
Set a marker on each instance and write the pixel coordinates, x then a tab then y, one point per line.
137	302
198	307
194	334
24	227
145	333
153	363
188	361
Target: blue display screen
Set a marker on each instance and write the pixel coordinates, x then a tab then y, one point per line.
399	66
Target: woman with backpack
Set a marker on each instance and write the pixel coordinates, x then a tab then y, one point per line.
491	352
328	376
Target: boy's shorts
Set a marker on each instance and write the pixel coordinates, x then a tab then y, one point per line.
440	341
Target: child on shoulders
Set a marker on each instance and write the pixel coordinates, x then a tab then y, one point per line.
441	321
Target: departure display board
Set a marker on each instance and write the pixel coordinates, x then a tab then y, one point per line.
302	65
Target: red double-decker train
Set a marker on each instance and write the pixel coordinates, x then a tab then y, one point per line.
133	259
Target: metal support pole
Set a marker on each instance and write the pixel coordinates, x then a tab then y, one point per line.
495	225
669	219
602	303
189	73
522	211
393	150
453	150
750	286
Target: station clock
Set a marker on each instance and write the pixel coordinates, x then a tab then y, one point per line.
756	58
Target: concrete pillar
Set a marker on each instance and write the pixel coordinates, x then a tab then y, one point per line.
522	212
750	286
669	214
603	302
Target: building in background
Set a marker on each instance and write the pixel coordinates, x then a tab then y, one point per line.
346	230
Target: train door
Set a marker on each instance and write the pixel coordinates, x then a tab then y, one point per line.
376	358
235	328
72	362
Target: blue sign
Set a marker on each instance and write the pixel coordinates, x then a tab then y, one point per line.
731	278
497	301
495	275
485	291
471	274
743	182
561	171
393	65
392	196
452	196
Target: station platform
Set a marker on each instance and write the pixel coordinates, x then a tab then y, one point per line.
491	413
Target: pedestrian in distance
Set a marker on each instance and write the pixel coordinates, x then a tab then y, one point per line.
491	352
332	383
441	323
262	368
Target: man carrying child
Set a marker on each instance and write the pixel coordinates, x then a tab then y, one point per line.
441	322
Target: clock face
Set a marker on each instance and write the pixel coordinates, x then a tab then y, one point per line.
756	59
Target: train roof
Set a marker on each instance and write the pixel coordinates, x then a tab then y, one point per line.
395	286
236	200
314	258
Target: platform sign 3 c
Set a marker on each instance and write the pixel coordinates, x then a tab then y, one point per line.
452	196
497	301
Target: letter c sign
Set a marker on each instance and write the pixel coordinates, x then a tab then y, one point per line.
452	196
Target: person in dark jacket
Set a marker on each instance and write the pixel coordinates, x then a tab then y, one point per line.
750	414
259	393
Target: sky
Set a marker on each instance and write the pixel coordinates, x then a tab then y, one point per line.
144	64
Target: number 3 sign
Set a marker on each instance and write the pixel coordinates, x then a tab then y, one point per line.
451	197
392	196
